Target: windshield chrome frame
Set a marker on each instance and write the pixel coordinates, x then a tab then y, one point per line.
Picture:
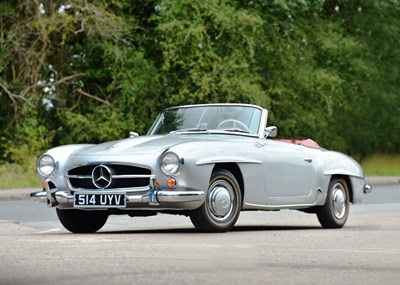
261	127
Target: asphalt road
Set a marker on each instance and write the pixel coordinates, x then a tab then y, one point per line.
286	247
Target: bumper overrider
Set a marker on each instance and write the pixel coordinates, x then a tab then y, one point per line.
152	197
367	188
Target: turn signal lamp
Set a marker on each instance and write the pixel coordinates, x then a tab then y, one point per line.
171	182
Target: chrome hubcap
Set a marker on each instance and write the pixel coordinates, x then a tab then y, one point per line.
339	202
220	201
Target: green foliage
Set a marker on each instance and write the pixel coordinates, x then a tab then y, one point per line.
385	165
29	139
376	26
13	175
84	72
208	51
305	82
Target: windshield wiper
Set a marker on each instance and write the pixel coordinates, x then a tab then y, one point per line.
196	130
236	130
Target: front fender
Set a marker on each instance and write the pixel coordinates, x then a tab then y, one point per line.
343	165
345	172
335	163
61	154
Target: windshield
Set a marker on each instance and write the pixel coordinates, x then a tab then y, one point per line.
241	119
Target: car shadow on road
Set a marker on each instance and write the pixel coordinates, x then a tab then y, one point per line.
241	228
251	228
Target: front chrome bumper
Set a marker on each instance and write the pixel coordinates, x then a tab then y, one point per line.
153	198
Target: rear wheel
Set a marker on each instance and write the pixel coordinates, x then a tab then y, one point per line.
221	208
336	209
79	221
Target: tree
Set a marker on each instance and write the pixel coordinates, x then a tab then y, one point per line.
208	52
89	72
374	126
64	67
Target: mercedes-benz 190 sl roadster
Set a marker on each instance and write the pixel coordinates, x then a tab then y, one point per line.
208	162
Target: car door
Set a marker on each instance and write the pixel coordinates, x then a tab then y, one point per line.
288	173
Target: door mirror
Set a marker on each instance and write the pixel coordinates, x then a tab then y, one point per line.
271	132
133	134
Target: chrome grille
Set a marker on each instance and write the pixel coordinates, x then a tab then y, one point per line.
123	176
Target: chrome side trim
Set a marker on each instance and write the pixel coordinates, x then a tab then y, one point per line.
181	196
227	159
248	206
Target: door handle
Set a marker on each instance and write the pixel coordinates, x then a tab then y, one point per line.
308	160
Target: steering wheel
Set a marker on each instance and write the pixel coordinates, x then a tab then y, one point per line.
235	124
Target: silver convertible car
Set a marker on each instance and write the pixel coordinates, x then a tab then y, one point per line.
208	162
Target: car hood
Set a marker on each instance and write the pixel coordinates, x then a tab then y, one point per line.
142	145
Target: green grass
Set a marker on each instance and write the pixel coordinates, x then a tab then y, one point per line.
382	165
17	176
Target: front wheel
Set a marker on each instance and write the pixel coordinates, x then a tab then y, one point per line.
336	209
79	221
221	208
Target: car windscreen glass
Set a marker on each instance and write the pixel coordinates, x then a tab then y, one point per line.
208	118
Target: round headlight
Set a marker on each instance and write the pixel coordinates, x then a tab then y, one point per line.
46	165
170	163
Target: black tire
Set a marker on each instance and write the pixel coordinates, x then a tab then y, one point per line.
79	221
337	205
221	208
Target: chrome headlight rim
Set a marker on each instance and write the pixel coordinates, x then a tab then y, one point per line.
46	165
170	163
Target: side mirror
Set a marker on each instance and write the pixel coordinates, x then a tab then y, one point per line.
271	132
133	134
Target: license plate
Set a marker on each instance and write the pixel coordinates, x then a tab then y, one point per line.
99	200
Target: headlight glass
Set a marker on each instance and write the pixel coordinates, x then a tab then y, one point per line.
46	165
170	163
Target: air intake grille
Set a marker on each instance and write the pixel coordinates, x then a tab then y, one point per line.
110	176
